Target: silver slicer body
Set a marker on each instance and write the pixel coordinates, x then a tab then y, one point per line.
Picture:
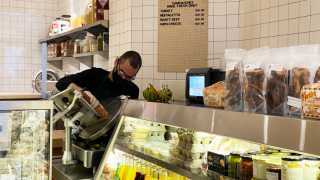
86	134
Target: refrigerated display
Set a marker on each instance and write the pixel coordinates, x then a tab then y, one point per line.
204	143
25	140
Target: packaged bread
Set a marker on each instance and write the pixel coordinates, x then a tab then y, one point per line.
317	76
254	79
299	77
305	61
310	97
233	99
254	90
213	95
277	90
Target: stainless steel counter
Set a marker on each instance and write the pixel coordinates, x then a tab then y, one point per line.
284	132
70	172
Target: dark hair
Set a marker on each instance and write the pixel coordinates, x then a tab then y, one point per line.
133	57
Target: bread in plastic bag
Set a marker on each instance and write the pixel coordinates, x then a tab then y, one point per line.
277	83
233	99
254	80
305	59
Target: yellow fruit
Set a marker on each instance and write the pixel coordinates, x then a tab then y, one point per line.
165	94
151	94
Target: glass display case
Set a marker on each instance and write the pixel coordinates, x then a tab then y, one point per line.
25	146
167	141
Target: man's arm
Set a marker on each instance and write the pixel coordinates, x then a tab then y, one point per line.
134	91
81	79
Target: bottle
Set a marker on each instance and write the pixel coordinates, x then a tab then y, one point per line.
101	5
100	42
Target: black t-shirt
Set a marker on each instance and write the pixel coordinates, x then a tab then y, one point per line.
96	81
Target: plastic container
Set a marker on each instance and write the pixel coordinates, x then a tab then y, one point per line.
259	166
234	165
292	168
246	167
311	169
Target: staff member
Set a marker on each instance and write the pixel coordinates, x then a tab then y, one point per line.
105	84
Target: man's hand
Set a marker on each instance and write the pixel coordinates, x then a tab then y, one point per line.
91	98
74	86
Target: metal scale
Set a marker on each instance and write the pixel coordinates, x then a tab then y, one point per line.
87	133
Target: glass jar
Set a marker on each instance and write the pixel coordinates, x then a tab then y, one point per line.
311	168
273	169
246	167
100	42
93	44
77	47
259	166
86	45
234	165
292	168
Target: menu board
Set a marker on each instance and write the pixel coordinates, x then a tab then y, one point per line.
183	35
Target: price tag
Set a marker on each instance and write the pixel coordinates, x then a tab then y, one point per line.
294	102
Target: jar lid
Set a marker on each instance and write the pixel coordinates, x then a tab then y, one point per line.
294	154
66	16
311	158
291	159
235	154
246	156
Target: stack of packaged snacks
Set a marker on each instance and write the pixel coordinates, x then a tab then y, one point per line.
191	150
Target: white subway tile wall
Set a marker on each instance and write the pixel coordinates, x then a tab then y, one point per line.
22	24
223	29
281	23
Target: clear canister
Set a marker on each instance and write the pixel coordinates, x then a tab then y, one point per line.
311	169
259	166
273	168
234	165
292	168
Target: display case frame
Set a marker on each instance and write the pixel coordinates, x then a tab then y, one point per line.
293	134
284	132
24	105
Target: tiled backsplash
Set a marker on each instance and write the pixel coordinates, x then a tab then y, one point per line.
22	24
279	23
134	25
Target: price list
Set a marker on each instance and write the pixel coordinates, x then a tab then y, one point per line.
183	35
199	18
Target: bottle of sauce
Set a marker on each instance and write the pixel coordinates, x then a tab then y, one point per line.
101	7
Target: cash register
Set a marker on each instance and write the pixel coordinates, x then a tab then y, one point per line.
199	78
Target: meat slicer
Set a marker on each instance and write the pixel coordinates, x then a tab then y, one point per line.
87	131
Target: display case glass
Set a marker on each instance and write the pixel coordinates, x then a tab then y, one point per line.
162	141
25	146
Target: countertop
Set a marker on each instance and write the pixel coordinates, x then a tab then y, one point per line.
19	96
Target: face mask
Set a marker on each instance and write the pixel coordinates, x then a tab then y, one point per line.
116	78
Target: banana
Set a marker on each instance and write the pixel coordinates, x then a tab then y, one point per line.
165	94
151	94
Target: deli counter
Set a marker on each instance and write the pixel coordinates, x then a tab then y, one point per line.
169	141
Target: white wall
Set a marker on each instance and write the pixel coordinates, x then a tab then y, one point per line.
22	24
134	26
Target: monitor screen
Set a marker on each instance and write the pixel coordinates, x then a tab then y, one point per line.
196	85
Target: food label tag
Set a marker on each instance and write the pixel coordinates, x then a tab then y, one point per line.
276	67
251	67
231	66
294	102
